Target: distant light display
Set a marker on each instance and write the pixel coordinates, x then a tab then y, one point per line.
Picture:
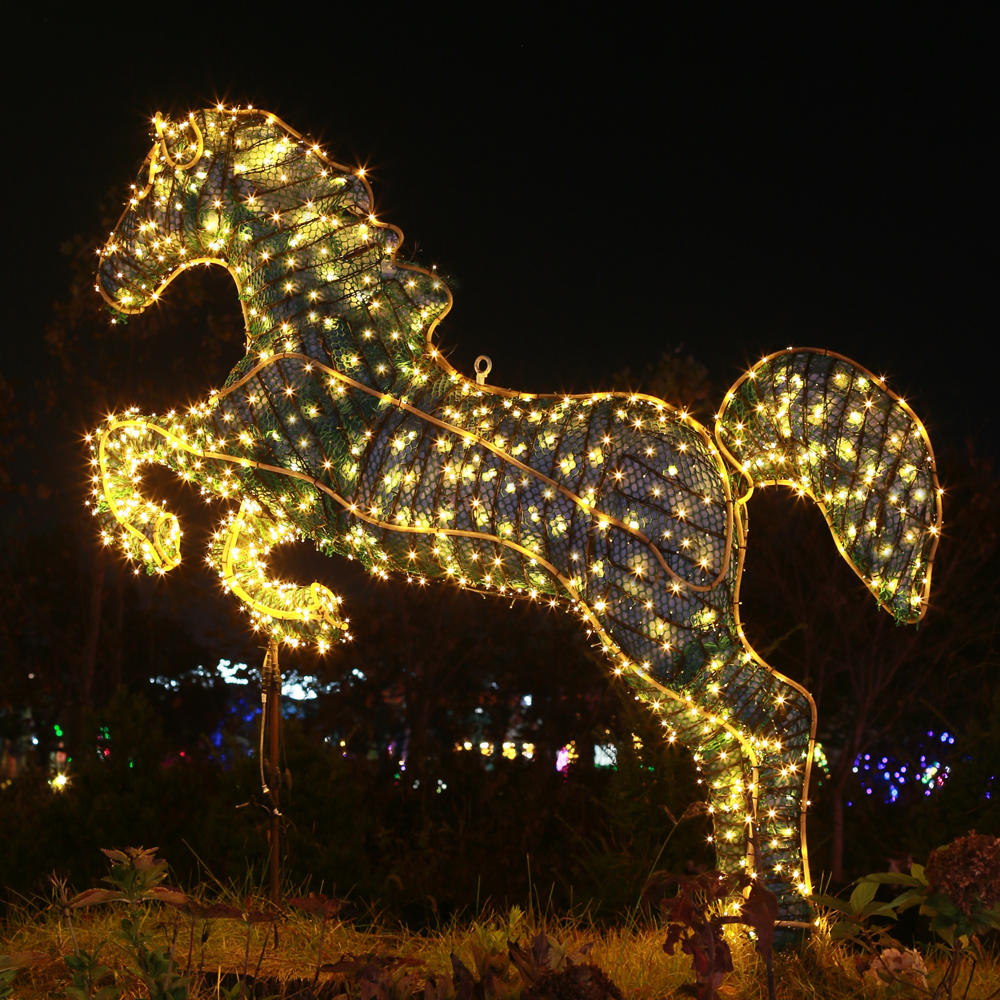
344	424
888	777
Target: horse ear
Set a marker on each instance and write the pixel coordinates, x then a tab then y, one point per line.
828	428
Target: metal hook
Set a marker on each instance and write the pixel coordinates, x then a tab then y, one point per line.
481	373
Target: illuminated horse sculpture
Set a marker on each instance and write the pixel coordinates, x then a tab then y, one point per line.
344	424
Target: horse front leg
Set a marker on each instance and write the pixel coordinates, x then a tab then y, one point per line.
144	528
149	534
284	610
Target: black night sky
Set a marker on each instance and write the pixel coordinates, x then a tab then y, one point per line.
600	186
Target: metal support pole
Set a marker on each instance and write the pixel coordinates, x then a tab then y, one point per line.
271	718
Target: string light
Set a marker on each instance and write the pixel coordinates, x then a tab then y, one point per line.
345	425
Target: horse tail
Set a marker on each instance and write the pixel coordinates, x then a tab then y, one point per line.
828	428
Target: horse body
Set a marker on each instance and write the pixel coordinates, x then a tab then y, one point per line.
344	424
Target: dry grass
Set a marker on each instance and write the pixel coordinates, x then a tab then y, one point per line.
631	955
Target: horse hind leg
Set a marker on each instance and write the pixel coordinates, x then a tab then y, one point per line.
780	796
752	762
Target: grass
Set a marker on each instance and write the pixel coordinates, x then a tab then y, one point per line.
631	954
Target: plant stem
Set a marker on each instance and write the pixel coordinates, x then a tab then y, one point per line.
969	983
319	950
190	946
72	933
246	961
530	902
170	963
711	954
256	971
944	983
201	960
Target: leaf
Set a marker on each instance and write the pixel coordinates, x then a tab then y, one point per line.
318	905
977	946
654	892
842	929
863	895
23	959
946	931
89	897
832	903
903	897
760	911
540	949
917	871
311	904
344	966
577	955
501	991
696	808
465	983
887	941
891	878
142	856
877	909
480	958
523	963
167	894
675	933
438	987
375	983
941	904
